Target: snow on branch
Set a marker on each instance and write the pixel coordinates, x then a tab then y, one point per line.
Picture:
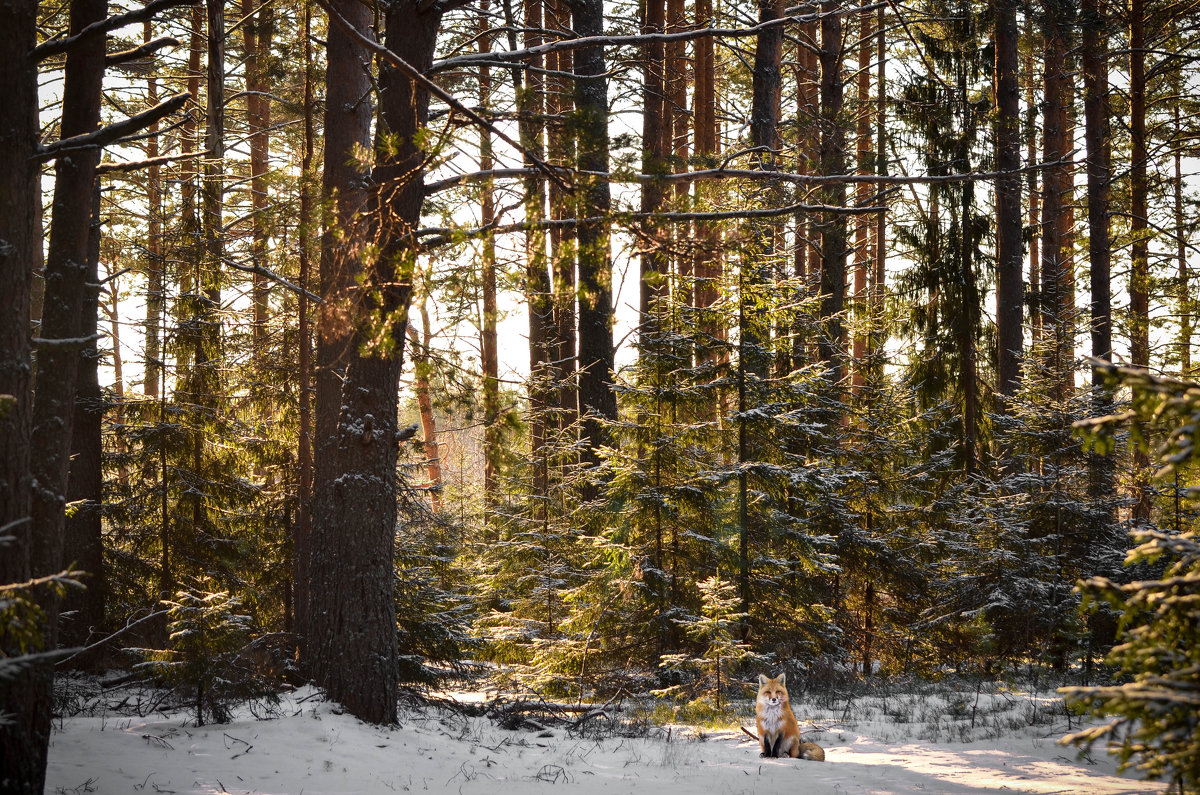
57	46
113	132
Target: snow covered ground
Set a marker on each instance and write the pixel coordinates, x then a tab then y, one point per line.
902	744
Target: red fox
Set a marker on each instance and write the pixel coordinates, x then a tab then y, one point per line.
777	728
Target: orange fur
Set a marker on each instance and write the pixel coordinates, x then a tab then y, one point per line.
778	732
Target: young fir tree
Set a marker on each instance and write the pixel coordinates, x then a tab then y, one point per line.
1153	705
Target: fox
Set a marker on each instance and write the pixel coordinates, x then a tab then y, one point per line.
777	728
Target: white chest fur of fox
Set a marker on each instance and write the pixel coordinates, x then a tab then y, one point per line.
778	732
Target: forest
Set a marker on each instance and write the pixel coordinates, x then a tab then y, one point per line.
598	348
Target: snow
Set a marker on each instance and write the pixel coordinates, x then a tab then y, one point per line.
314	750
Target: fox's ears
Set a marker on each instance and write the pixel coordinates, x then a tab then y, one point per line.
782	680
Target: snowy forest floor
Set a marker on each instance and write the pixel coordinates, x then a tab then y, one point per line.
928	740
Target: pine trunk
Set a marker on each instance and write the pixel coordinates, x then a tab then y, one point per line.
347	132
58	364
302	525
863	256
22	755
1058	320
489	353
354	584
1139	274
831	339
82	538
258	29
597	398
1010	281
154	244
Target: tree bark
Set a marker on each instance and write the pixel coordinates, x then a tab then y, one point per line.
863	256
22	755
353	585
531	106
1099	172
83	542
347	131
154	244
302	526
58	365
1139	276
257	32
597	398
561	150
1183	291
707	267
1057	298
421	371
490	358
1010	281
831	341
1139	273
655	136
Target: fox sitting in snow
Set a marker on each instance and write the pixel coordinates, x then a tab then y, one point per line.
777	728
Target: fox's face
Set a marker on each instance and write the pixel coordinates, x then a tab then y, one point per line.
772	691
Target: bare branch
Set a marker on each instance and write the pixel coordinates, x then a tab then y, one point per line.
149	48
273	276
112	167
752	174
56	46
512	57
115	131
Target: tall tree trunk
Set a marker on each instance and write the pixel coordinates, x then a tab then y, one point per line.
561	149
1139	277
1094	63
675	119
707	268
258	30
656	134
355	585
1139	274
347	132
154	244
1010	281
597	398
1099	173
807	255
864	258
1183	294
113	312
58	356
422	369
492	438
1058	320
531	106
82	538
302	526
879	280
830	344
22	755
1031	186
